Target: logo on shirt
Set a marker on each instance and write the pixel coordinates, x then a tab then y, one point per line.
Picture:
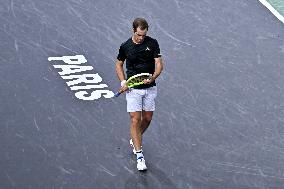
147	49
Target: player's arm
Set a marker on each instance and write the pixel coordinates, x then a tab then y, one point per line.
120	74
158	68
119	70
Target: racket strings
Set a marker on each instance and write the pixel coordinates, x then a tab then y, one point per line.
138	80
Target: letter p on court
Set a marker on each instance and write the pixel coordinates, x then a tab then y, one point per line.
77	59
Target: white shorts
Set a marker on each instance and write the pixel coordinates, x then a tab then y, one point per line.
141	99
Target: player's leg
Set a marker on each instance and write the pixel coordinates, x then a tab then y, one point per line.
146	120
136	135
134	108
135	129
148	107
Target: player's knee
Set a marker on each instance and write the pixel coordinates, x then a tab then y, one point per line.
135	120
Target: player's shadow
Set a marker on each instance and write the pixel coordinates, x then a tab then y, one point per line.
152	178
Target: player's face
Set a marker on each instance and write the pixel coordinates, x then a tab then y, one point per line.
139	35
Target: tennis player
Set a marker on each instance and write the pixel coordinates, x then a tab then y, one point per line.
142	55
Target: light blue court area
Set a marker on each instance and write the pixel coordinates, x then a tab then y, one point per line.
277	5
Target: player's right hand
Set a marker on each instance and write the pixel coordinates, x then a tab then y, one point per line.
123	89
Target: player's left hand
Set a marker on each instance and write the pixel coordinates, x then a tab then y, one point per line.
148	81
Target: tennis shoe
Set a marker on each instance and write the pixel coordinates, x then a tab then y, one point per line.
141	165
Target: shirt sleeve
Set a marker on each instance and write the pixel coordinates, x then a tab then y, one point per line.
157	52
121	54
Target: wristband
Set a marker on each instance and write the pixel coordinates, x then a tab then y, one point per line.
123	83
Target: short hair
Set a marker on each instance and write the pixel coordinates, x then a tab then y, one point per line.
141	23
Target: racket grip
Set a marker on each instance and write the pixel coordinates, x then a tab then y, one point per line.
117	94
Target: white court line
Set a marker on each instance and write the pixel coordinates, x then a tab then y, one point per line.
275	12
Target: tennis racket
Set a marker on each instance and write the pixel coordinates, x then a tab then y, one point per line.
135	81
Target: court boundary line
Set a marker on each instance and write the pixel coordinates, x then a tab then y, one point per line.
272	10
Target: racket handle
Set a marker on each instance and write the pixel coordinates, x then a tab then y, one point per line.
117	94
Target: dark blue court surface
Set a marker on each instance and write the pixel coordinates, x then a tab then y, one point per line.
219	122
